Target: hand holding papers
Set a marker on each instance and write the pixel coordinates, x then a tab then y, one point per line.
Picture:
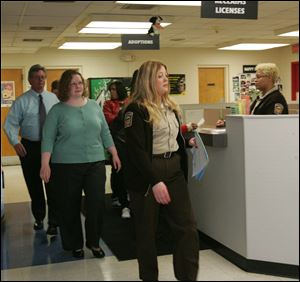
200	122
200	158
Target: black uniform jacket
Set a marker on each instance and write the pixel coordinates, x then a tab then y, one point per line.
273	103
139	174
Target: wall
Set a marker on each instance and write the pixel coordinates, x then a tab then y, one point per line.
178	60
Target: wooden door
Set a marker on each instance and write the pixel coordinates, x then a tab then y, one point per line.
53	74
15	75
211	85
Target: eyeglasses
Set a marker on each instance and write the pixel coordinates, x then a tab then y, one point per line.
37	77
260	76
74	84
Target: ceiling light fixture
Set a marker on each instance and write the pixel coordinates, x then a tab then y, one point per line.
252	46
115	27
117	24
168	3
90	45
114	30
291	33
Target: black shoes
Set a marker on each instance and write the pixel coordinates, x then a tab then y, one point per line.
98	253
38	225
52	230
78	253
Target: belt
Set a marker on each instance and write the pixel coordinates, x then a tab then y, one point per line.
166	155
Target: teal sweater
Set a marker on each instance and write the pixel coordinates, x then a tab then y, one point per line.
76	134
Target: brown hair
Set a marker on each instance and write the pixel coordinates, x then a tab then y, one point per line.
64	85
35	68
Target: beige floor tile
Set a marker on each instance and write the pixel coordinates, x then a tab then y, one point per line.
213	267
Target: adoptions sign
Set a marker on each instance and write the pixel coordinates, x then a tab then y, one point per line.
140	42
229	9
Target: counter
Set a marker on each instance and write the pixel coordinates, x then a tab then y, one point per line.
248	199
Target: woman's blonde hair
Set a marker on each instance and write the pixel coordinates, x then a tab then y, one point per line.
269	69
146	94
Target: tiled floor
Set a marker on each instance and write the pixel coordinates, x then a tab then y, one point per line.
213	267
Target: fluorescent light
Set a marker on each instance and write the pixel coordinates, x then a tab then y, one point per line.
252	46
105	24
291	33
168	3
114	27
90	45
114	30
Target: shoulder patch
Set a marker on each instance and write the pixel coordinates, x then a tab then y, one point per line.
278	109
128	119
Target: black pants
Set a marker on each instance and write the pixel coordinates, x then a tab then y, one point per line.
177	214
31	165
117	178
70	181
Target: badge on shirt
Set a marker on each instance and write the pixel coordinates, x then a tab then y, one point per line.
128	119
278	109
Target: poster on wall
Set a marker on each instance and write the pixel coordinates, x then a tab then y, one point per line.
8	93
98	87
177	84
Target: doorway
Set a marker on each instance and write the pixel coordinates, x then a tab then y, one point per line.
211	85
15	75
53	74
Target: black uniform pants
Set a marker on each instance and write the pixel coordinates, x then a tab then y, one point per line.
31	165
179	216
70	181
117	178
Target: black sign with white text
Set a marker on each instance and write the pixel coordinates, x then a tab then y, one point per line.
140	42
249	68
229	9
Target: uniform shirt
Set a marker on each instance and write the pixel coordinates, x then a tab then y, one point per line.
139	173
273	102
24	115
76	134
165	133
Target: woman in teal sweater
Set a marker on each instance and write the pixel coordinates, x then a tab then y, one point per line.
75	136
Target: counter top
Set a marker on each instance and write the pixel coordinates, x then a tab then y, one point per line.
214	137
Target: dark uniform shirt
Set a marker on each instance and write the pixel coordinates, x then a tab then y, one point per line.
272	103
139	149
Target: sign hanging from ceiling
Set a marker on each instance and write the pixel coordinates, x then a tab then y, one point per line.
249	68
140	42
229	9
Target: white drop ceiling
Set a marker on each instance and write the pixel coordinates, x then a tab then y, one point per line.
188	29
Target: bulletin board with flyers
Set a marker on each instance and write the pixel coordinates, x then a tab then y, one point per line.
243	84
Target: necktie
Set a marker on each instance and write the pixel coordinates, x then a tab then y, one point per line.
42	114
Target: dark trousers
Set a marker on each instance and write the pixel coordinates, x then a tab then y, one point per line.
70	181
117	178
31	165
177	214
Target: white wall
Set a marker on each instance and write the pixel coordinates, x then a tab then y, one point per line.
178	60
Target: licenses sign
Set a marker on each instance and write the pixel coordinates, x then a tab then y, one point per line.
229	9
140	42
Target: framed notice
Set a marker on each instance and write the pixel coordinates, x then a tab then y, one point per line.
8	93
177	84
